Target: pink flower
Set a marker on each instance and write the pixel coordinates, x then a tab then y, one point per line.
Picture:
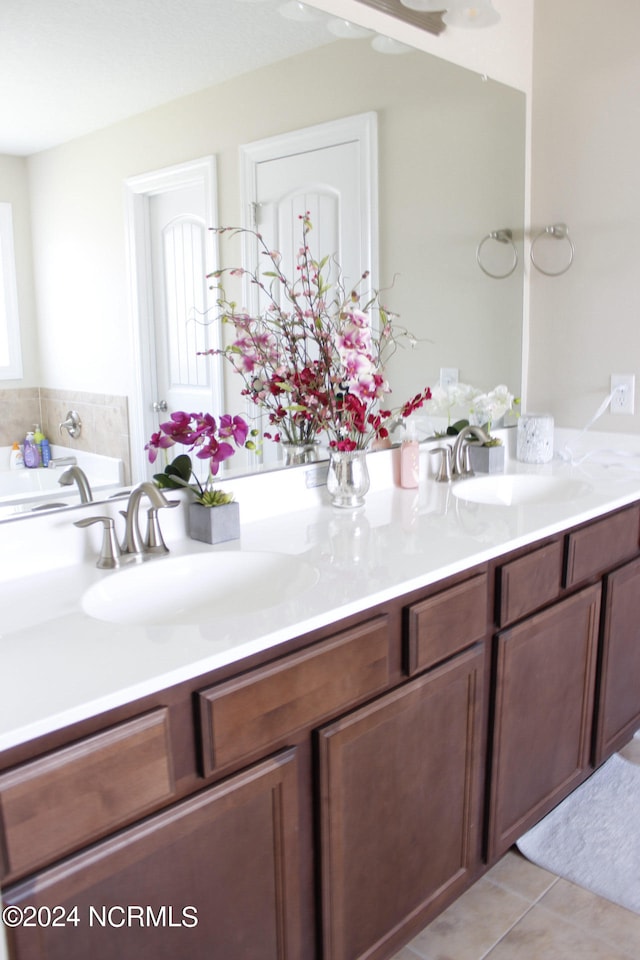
234	427
158	442
200	432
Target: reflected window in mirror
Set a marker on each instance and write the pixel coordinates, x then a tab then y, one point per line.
10	350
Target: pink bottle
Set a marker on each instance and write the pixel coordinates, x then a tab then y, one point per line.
410	461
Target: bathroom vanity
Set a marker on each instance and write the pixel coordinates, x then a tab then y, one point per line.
321	778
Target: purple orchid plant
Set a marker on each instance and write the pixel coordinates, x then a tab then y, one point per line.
209	439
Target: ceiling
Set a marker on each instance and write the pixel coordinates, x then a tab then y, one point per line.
72	66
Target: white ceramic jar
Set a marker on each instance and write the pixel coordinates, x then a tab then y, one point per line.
535	438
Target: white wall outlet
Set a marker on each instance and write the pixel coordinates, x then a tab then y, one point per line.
623	387
448	375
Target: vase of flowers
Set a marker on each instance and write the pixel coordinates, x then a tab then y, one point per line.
214	516
314	357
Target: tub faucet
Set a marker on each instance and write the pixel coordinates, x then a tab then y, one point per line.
461	465
133	543
76	473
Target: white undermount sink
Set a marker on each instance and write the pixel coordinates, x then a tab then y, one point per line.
198	587
514	489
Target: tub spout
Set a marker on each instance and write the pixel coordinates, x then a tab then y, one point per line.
75	473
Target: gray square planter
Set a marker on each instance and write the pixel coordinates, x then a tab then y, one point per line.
486	459
214	524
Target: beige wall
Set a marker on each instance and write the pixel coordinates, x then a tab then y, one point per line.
474	186
585	148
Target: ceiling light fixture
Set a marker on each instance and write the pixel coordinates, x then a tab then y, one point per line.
384	44
470	15
426	6
347	30
294	10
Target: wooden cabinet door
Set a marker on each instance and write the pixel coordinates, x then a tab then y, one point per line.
618	709
544	694
215	877
400	809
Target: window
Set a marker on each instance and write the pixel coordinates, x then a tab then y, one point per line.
10	352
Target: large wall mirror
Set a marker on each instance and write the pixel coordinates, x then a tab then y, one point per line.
451	159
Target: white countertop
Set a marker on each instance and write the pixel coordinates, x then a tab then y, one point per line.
59	666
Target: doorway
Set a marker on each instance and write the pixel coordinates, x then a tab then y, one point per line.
171	250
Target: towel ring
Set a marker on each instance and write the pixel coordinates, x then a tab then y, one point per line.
559	231
502	236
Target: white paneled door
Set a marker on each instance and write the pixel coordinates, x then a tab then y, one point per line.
330	172
172	249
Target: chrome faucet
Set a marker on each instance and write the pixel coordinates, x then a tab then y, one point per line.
461	464
76	473
133	543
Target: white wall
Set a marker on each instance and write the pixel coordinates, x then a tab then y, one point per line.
585	148
14	189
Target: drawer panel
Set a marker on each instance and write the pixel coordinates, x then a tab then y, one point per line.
445	623
528	583
602	545
72	796
253	713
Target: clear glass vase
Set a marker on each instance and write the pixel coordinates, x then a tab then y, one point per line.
297	453
348	478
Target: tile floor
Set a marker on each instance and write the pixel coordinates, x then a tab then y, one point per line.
518	911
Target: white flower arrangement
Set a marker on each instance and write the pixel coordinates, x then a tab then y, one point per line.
459	401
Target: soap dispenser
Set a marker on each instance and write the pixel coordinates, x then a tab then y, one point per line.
38	437
31	452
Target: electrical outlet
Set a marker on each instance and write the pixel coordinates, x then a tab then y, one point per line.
623	399
448	375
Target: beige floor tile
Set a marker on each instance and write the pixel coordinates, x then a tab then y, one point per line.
632	751
609	922
542	935
406	954
471	925
516	873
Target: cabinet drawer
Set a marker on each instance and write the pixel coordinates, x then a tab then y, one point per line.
601	546
72	796
445	623
528	583
256	712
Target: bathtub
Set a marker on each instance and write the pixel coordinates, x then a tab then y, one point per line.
24	489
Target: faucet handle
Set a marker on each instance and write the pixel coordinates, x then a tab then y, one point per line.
154	541
110	551
444	471
467	469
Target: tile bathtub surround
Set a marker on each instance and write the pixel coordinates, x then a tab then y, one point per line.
105	420
518	911
20	410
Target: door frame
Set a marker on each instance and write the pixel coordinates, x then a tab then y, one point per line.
137	191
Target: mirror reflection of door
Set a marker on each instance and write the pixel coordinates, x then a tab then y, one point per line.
329	171
172	251
178	236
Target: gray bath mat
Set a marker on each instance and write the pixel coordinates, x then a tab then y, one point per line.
593	837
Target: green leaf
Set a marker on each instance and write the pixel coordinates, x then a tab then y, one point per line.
456	427
215	498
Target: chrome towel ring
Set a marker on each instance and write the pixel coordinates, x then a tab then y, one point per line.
558	231
501	236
